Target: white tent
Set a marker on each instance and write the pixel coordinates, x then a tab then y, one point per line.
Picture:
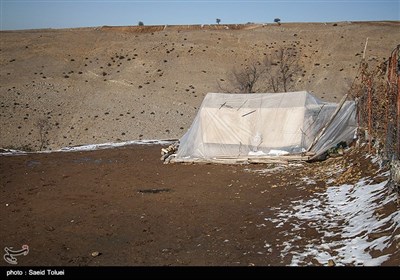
242	127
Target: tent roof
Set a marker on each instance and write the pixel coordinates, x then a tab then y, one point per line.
261	125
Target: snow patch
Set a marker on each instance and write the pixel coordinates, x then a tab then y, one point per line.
346	217
257	153
92	147
277	153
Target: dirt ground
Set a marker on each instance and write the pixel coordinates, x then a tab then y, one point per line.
124	207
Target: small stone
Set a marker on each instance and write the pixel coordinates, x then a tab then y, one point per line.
331	263
50	228
96	254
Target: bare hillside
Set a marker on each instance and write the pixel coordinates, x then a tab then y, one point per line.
93	85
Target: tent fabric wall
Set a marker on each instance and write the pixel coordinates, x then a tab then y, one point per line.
264	124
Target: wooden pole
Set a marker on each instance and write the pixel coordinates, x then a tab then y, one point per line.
398	112
365	48
369	84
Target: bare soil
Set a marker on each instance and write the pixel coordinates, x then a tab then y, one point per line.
133	210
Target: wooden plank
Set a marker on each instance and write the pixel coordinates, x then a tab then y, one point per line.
245	159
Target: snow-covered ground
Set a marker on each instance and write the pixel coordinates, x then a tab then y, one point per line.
349	220
92	147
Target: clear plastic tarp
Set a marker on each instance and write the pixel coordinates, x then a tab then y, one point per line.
265	124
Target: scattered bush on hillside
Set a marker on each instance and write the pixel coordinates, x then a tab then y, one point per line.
218	20
282	77
43	126
140	23
277	73
248	79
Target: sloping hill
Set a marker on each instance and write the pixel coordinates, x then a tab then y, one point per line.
93	85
